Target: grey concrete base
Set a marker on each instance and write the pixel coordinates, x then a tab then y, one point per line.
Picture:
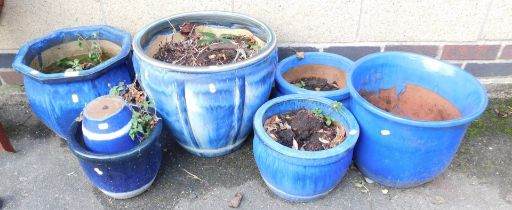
43	174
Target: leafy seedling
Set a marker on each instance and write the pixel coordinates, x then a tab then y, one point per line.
144	117
328	119
337	106
301	84
208	38
93	51
71	65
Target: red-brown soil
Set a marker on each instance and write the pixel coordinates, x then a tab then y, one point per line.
414	102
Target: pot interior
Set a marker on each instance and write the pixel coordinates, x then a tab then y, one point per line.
161	31
318	71
69	49
397	71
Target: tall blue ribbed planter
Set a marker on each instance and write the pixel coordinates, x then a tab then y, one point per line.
124	174
284	87
208	109
401	152
57	99
297	175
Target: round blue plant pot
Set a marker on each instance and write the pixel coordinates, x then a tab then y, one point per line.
106	125
57	99
401	152
121	175
208	109
296	175
283	87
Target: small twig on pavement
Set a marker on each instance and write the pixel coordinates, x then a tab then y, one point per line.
369	196
192	175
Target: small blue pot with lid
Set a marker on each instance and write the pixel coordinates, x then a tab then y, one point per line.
106	125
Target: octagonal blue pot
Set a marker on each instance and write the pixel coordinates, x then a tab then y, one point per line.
296	175
57	99
283	87
120	175
401	152
208	109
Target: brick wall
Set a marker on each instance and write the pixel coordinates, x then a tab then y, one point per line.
473	34
481	60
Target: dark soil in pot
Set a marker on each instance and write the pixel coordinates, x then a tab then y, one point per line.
305	130
202	45
413	102
84	53
316	77
68	62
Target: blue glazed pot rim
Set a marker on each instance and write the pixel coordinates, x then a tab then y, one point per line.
157	25
82	153
280	79
19	62
352	130
357	98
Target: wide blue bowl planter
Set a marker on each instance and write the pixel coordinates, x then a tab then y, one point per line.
296	175
106	125
401	152
209	110
57	99
121	175
283	87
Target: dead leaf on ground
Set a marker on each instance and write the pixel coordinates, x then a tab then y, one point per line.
236	200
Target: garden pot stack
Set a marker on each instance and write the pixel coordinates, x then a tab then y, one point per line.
58	98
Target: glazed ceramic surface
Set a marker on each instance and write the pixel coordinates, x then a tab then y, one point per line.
400	152
120	175
297	175
208	109
57	99
111	133
283	87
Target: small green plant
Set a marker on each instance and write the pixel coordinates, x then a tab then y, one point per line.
328	119
208	38
337	106
144	117
72	65
300	84
93	50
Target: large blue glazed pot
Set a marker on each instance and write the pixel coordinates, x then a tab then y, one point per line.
121	175
296	175
401	152
106	125
208	109
57	99
283	87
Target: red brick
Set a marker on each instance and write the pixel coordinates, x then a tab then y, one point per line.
428	50
470	52
507	52
12	77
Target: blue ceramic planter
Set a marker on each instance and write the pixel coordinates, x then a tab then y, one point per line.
400	152
283	87
106	125
120	175
302	175
57	99
208	109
